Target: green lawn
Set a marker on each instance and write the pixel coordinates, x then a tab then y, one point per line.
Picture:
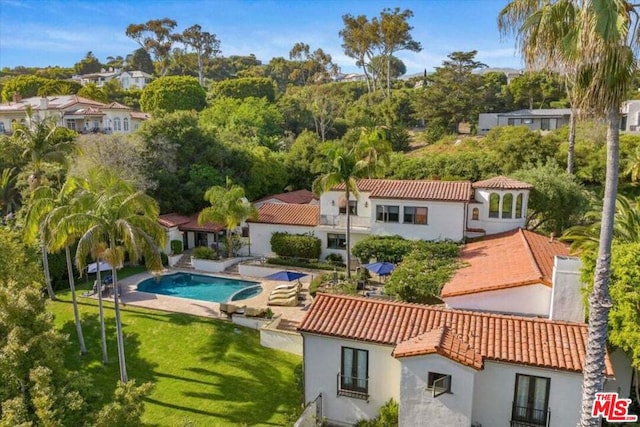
206	372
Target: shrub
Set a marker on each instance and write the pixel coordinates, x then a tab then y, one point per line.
176	247
164	258
296	245
335	259
302	263
382	248
204	252
387	416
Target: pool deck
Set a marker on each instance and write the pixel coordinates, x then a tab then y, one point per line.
131	296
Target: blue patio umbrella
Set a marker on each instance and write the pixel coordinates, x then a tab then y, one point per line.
285	276
380	268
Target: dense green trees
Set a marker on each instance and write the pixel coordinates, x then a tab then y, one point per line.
173	93
87	65
256	87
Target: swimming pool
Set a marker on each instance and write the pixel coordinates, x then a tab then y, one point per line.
200	287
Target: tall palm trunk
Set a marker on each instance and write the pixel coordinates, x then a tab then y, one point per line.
116	301
572	142
76	313
47	275
599	299
348	234
103	333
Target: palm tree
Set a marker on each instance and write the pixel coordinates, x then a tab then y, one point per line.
229	206
9	195
598	43
97	252
34	230
125	220
46	209
344	167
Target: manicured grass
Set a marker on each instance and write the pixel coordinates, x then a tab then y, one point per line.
206	372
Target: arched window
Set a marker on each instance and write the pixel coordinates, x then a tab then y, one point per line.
519	206
125	124
507	206
116	124
475	214
494	205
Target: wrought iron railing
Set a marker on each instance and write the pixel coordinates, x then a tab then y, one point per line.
355	387
525	416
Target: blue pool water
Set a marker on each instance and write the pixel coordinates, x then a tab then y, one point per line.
200	287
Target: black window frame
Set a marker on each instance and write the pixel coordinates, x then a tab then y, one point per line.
352	389
353	208
383	214
337	238
528	415
519	199
494	213
410	218
507	208
434	379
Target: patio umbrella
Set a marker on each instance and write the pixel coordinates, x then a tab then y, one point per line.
381	268
285	276
93	267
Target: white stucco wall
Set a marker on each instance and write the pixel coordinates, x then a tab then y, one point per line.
260	236
621	383
322	358
494	393
446	220
497	225
417	402
566	294
524	300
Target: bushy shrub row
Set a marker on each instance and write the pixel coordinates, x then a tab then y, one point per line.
296	245
204	252
382	248
313	264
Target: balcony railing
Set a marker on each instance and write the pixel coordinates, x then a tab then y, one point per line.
524	416
340	221
355	387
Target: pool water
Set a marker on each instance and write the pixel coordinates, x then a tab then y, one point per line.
200	287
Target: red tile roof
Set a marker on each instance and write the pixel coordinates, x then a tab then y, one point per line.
439	341
502	182
451	191
116	106
192	225
288	214
139	115
506	260
172	219
299	197
523	340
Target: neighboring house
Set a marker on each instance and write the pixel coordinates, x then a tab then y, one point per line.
187	230
128	79
519	272
297	197
510	73
426	210
71	111
450	367
541	119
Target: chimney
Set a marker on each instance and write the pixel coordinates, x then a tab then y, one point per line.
17	97
552	237
567	303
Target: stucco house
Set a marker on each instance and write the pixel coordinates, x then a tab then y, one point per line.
128	79
189	232
519	272
421	209
539	119
445	367
71	111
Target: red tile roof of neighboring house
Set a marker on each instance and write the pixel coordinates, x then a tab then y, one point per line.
523	340
502	182
172	219
299	197
139	115
439	341
116	106
506	260
451	191
288	214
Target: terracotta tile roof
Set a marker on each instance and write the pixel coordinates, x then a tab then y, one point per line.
172	219
192	225
523	340
139	115
454	191
288	214
116	106
502	182
441	341
299	197
506	260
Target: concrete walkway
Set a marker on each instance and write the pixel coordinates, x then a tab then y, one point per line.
131	296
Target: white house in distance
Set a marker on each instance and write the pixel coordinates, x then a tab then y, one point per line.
73	112
426	210
539	119
518	272
450	367
128	79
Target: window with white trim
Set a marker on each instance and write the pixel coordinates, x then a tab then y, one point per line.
531	400
438	383
117	124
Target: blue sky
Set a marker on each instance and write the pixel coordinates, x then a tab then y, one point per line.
48	32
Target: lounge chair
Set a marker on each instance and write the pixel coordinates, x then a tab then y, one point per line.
284	300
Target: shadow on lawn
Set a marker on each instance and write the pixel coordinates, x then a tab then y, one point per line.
104	377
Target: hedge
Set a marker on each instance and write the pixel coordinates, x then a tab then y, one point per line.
296	245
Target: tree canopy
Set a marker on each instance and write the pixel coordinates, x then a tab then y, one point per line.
173	93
